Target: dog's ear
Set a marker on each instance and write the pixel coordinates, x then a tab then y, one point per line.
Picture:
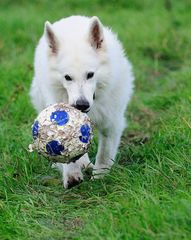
51	38
96	33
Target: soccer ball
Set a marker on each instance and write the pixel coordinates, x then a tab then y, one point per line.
61	133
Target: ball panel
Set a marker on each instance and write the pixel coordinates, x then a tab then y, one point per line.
54	148
60	117
35	128
85	131
84	139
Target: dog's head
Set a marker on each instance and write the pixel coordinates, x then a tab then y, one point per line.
76	58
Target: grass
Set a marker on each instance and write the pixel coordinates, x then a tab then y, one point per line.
148	193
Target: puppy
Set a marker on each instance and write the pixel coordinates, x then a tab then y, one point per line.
81	62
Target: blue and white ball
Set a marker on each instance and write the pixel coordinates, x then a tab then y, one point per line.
61	133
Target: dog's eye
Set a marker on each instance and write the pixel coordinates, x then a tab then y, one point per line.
90	75
68	78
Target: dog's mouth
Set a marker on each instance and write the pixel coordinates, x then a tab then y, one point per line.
82	110
86	111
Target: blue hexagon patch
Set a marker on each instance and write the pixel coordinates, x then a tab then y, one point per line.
35	128
60	117
85	131
54	148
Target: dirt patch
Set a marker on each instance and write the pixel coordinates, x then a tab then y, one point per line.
135	138
73	223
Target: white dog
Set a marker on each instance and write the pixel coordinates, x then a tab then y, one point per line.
81	62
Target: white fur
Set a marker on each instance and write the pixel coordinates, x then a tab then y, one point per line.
76	55
73	171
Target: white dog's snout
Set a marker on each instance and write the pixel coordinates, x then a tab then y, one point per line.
82	104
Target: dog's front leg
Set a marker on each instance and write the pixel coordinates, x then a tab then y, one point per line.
107	149
72	172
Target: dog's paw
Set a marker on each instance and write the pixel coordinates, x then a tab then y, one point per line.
73	179
100	170
71	173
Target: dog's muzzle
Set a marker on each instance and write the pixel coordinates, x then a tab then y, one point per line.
82	105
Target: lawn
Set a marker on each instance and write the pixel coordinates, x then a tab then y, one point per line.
147	195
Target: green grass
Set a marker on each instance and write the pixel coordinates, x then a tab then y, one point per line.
148	193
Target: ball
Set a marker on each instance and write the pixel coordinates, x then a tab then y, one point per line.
61	133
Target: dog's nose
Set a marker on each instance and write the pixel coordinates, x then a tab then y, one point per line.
82	105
